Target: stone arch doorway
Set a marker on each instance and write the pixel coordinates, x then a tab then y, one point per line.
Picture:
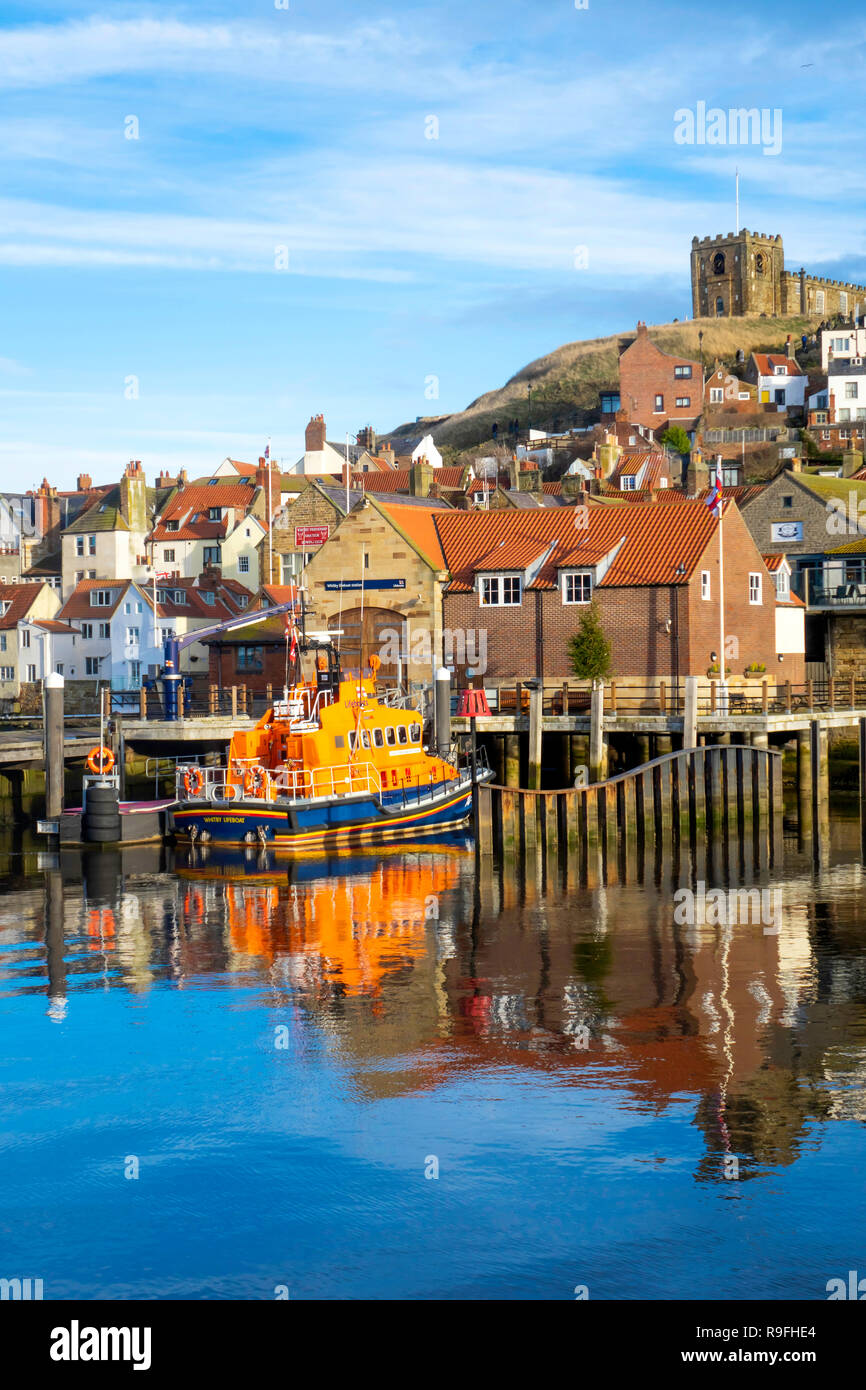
382	633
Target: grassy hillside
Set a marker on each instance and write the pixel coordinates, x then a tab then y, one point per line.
566	383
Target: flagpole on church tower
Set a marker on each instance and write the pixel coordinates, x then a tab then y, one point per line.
737	175
723	686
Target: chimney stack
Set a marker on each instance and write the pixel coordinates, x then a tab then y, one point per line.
85	482
314	435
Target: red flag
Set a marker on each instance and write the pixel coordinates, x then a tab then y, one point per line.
291	636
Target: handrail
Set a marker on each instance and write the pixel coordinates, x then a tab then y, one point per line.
642	768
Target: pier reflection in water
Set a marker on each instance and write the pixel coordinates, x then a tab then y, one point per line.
609	1077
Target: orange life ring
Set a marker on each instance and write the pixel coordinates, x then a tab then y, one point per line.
100	760
193	781
254	780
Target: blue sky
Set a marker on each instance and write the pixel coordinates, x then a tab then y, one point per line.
408	257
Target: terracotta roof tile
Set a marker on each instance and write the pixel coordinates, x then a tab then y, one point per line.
652	542
418	523
767	362
78	604
20	598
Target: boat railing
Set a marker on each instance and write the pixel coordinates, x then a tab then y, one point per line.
247	778
343	779
301	707
394	698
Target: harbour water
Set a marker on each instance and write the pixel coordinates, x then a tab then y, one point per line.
385	1076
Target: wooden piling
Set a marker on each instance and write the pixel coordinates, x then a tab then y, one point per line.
510	821
484	836
53	743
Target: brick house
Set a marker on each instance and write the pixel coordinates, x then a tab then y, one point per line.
652	569
726	394
657	389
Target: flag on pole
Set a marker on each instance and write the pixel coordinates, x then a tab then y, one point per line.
267	452
714	498
291	636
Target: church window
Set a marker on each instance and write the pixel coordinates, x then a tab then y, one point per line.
720	307
719	263
759	263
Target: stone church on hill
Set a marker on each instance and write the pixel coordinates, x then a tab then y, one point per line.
744	274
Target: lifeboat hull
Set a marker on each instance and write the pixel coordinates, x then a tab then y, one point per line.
327	821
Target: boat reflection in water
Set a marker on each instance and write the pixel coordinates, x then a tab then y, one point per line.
341	922
583	1060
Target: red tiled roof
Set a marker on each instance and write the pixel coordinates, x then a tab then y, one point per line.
448	477
20	598
773	562
631	464
78	604
470	538
225	603
552	489
650	542
52	625
400	479
278	593
767	362
197	500
419	525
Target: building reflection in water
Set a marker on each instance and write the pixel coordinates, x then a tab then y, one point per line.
417	971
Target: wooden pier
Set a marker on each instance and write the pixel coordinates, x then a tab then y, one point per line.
720	794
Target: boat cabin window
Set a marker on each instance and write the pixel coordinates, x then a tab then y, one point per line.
390	736
414	733
378	739
365	738
401	734
351	741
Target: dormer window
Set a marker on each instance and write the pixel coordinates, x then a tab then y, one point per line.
577	586
171	526
215	514
500	590
628	482
780	371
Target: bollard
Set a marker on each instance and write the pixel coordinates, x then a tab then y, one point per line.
442	711
536	698
53	744
690	713
597	747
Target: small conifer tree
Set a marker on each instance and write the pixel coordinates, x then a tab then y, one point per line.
589	649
